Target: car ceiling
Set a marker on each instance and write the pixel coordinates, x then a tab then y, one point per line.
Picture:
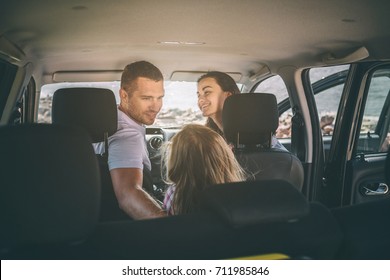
235	36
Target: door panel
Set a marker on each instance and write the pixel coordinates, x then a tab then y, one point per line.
368	179
365	170
357	153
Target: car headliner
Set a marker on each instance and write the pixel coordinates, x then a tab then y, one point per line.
233	36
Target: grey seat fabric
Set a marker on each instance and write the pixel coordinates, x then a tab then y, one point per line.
51	187
94	110
249	121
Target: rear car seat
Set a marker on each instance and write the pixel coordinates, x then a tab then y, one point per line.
50	192
235	220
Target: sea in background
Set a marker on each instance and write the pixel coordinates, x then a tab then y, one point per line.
180	100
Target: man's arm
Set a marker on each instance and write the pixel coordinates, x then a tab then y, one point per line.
132	199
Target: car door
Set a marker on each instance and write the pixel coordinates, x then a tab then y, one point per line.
354	170
325	86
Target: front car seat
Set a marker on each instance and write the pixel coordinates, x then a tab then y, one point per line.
249	122
94	110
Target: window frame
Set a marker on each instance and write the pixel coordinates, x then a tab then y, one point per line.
379	129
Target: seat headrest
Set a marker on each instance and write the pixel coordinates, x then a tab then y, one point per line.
50	190
250	118
253	202
93	109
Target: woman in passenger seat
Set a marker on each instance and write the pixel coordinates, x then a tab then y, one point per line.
195	158
213	89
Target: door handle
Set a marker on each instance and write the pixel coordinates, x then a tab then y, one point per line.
374	189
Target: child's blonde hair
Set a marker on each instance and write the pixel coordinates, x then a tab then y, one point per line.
195	158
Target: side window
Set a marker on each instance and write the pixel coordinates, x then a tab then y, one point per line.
374	134
276	86
328	84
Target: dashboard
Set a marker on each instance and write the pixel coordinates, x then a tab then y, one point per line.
155	139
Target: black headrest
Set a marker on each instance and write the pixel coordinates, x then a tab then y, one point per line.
50	185
250	118
253	202
93	109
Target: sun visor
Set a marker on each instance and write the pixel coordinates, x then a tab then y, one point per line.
193	76
87	76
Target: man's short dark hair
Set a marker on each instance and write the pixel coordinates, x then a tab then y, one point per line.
138	69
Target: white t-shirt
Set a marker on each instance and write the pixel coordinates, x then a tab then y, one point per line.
127	146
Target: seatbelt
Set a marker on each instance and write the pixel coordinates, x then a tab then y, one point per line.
147	180
105	153
297	132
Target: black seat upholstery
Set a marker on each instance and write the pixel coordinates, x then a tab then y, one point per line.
95	110
249	121
50	190
54	206
253	202
92	109
235	220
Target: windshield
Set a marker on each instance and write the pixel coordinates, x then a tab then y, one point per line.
179	107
